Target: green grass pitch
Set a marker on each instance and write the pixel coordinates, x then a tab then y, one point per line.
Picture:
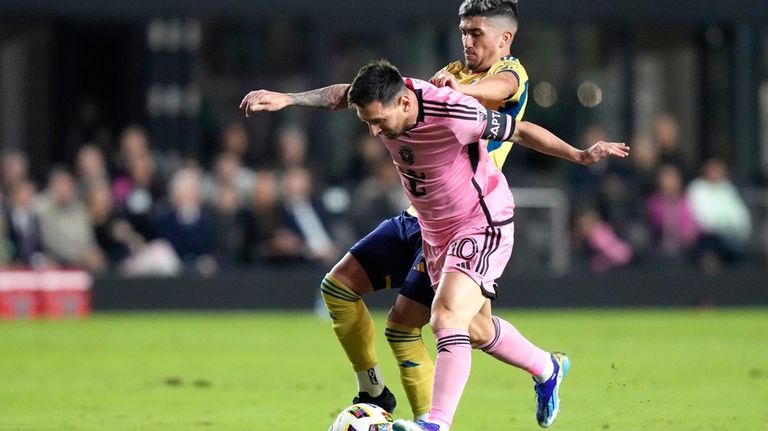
632	370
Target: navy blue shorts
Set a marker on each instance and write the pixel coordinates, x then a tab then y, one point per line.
391	256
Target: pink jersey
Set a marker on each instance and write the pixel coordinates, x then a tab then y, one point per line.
444	164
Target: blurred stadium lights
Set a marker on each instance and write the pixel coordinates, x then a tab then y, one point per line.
545	94
589	94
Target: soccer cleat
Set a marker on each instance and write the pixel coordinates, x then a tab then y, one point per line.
547	398
385	400
406	425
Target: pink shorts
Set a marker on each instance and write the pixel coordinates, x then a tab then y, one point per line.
481	253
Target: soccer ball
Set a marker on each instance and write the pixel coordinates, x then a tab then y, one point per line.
362	417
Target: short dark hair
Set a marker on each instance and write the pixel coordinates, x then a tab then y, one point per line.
377	81
489	8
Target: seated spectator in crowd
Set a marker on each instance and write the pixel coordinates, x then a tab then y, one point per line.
187	224
231	227
377	197
644	164
586	181
291	147
272	237
126	250
666	135
23	226
308	215
90	167
14	167
599	243
721	214
670	217
364	162
139	193
228	172
65	227
235	140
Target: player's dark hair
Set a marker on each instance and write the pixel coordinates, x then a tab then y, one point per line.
489	8
377	81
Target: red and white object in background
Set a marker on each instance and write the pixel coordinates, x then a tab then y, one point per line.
48	293
18	295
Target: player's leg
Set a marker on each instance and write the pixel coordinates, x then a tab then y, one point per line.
457	300
404	334
375	262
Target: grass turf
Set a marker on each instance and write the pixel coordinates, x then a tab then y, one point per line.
632	370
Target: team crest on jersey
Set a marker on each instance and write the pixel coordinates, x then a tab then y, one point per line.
407	155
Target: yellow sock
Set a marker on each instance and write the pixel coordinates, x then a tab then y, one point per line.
352	323
416	366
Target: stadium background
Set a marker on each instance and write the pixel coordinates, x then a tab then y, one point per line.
131	98
112	113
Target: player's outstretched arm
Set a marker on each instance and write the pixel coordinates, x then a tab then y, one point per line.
332	97
542	140
493	89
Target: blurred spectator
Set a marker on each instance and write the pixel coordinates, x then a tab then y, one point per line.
112	234
228	172
378	197
14	167
187	224
90	167
666	133
291	147
126	250
235	140
644	162
308	215
586	181
272	238
138	194
722	215
134	142
368	153
599	243
23	225
231	227
66	231
670	217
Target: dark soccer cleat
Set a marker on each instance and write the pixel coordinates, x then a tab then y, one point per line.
547	397
385	400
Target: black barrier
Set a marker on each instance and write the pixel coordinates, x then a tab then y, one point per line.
296	288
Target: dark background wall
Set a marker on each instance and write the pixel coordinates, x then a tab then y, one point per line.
296	289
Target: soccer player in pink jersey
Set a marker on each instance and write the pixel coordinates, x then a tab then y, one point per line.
436	138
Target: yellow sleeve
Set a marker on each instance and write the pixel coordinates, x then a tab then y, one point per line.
512	65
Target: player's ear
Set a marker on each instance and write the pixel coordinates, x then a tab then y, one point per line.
506	38
405	103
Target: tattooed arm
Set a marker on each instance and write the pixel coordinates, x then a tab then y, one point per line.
332	98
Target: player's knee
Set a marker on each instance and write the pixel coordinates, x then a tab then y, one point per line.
481	331
337	295
443	318
408	313
349	272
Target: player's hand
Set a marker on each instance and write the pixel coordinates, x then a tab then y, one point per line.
445	79
602	150
264	100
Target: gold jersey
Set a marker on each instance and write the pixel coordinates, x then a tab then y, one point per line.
513	106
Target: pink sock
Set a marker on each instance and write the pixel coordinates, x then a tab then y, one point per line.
454	359
510	347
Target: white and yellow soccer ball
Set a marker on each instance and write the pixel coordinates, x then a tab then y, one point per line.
362	417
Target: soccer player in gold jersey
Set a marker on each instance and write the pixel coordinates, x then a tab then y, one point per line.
391	256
